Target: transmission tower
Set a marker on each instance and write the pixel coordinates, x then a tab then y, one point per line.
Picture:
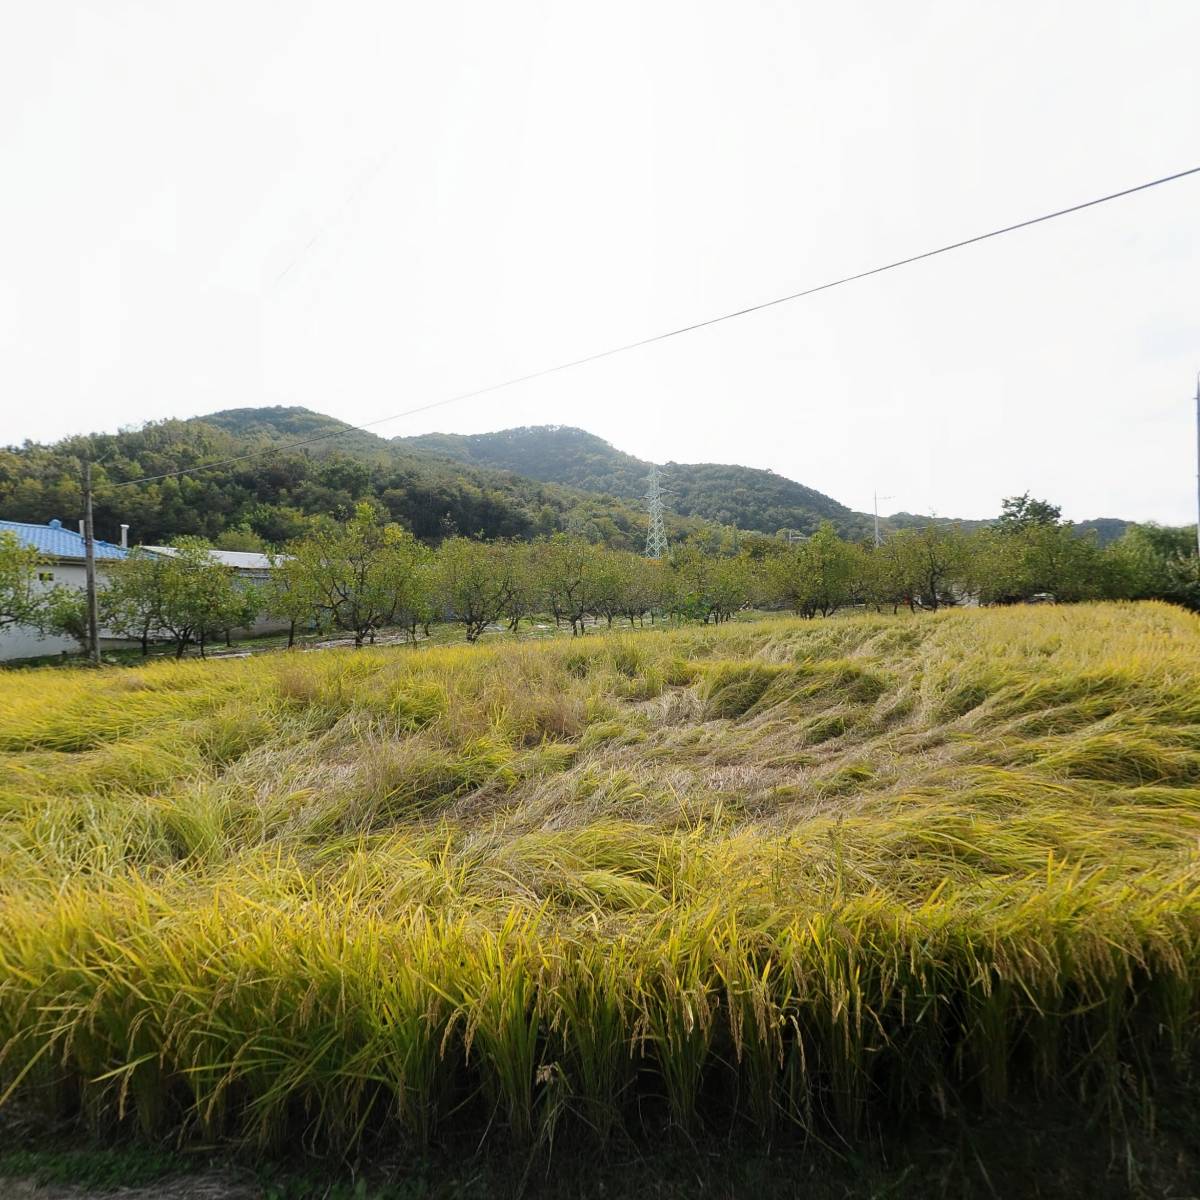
656	535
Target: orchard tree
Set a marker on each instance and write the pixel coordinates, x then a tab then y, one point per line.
290	596
569	570
1023	511
473	583
418	607
523	571
22	602
1017	563
186	596
819	575
1155	562
932	564
647	586
712	589
731	586
246	605
1021	555
131	602
611	582
66	612
886	577
199	598
358	575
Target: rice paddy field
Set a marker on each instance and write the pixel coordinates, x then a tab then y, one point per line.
790	879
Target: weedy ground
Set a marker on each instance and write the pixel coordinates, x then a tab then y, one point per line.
790	881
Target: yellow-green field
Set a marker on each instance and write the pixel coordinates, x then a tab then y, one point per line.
782	874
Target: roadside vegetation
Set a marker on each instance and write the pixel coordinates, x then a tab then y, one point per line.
783	880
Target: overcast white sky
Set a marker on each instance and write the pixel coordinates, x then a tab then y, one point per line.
364	207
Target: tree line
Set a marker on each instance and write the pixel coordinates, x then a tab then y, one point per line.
360	576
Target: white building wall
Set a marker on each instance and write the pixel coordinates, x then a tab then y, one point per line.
23	641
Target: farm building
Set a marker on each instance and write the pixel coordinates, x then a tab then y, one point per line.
61	550
62	553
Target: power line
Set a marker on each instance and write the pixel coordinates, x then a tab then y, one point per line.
353	199
670	333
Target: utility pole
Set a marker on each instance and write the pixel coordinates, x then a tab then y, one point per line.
89	557
1198	466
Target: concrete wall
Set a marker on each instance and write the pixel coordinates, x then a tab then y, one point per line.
23	641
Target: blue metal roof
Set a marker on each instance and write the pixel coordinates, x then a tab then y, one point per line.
55	541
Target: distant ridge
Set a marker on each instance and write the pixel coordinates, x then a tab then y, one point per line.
521	482
746	497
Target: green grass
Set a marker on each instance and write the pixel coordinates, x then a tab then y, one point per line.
782	879
535	628
101	1169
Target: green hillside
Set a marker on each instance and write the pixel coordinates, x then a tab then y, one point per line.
745	497
233	492
514	483
1106	529
279	424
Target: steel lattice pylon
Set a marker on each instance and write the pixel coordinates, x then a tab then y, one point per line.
656	535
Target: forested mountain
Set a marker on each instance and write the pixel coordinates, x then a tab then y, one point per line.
515	483
745	497
551	453
1105	529
281	424
268	496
